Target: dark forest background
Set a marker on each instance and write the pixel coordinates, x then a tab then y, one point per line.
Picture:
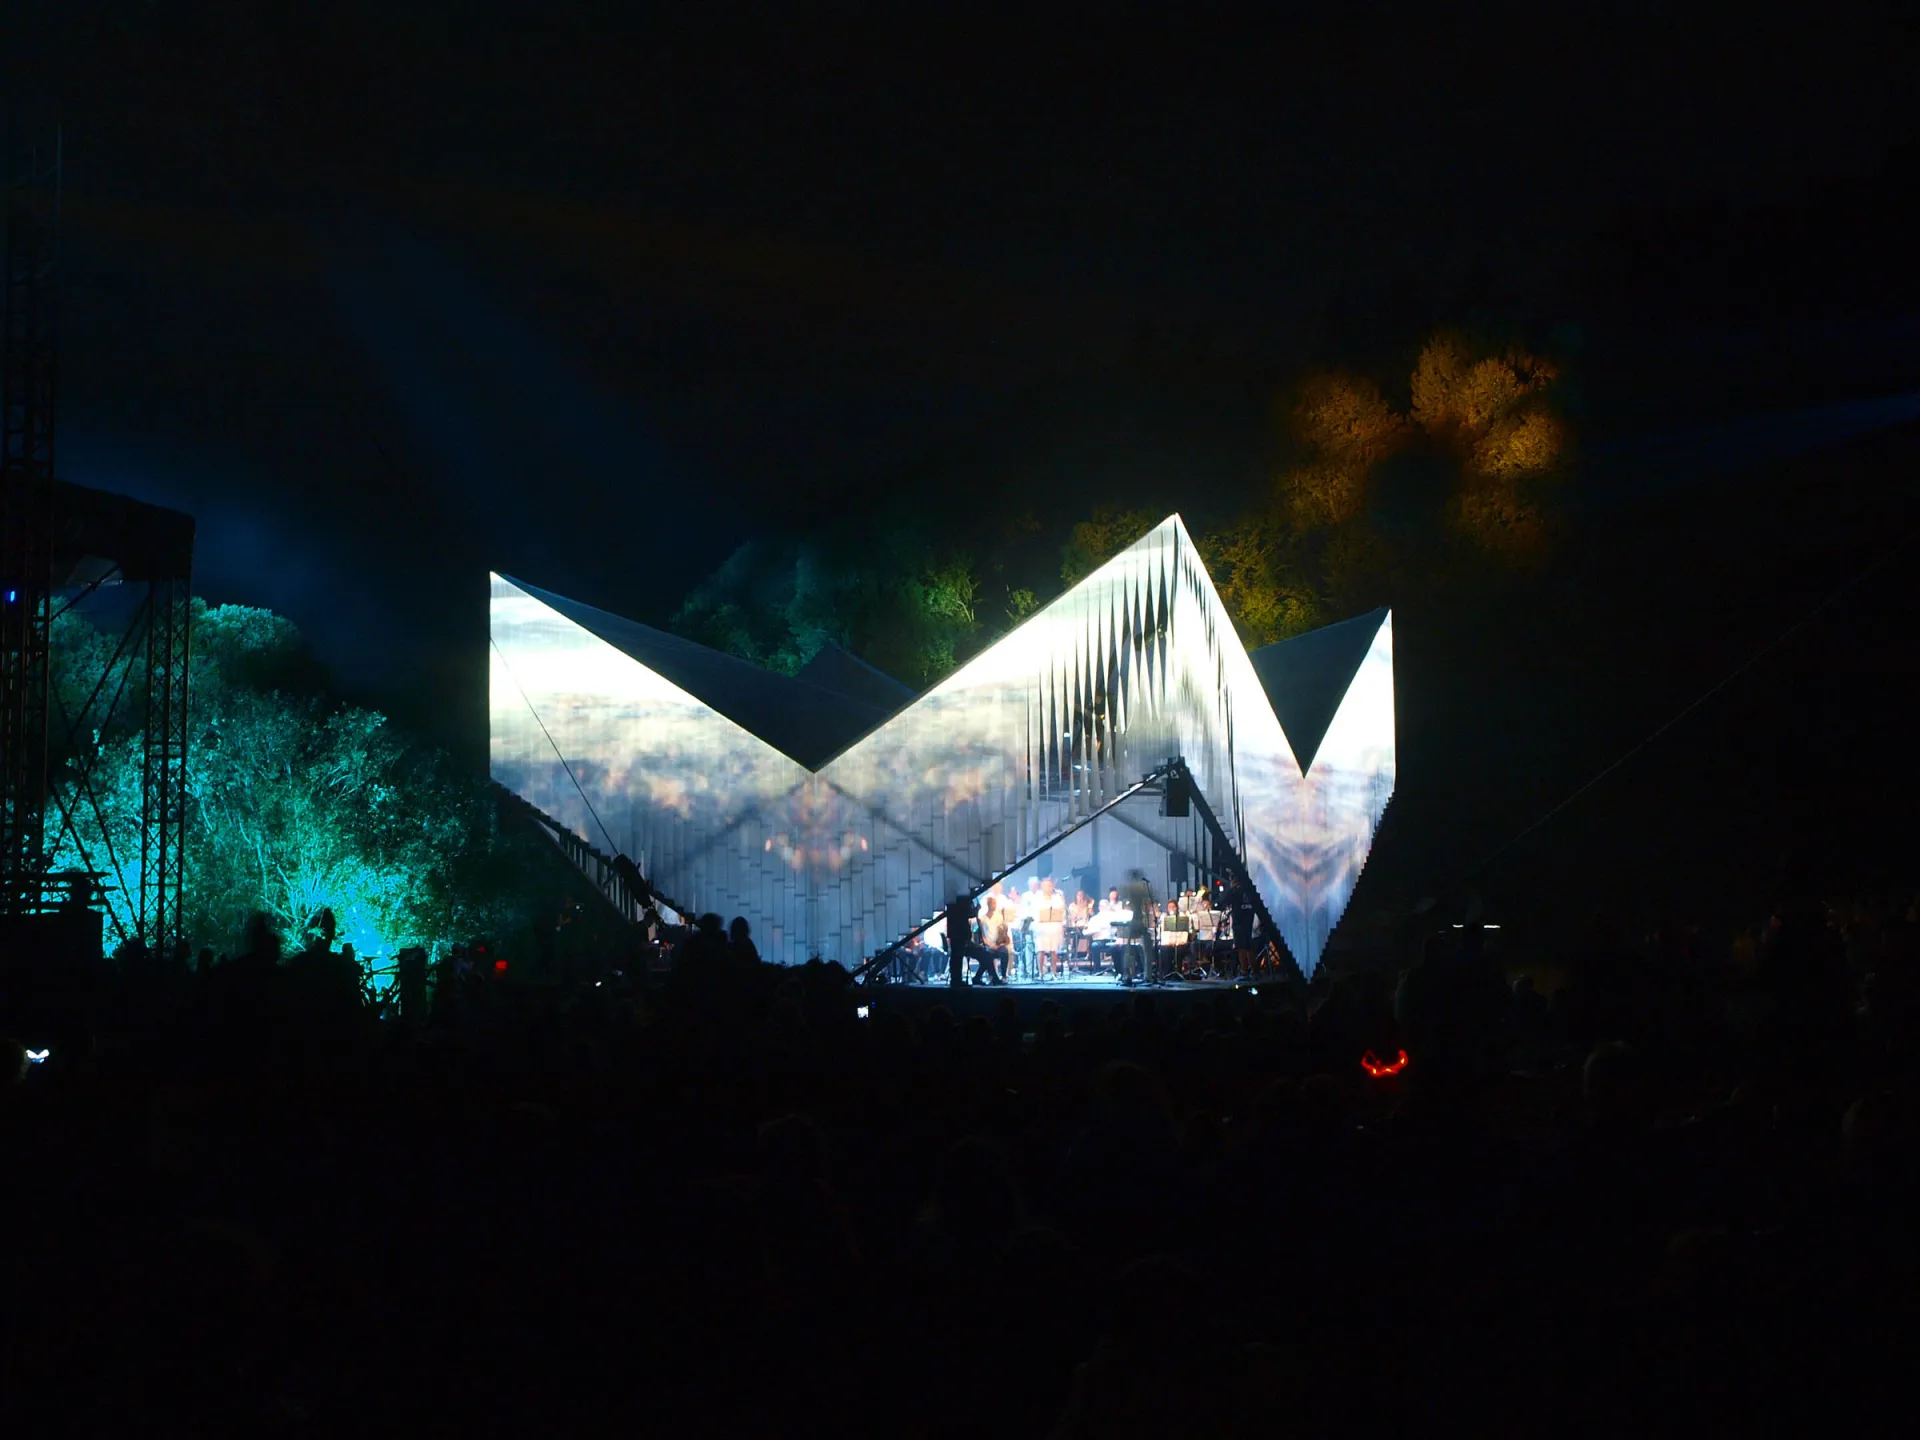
1564	356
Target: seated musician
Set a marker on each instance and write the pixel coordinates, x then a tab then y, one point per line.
996	931
1176	930
1078	914
962	946
1110	923
996	893
911	961
1206	925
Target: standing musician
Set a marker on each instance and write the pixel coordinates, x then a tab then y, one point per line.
1014	910
1240	908
1049	926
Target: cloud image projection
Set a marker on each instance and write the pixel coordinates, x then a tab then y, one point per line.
838	812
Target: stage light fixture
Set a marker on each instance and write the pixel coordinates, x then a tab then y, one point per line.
1176	798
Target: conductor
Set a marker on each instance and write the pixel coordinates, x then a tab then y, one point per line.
1138	898
961	945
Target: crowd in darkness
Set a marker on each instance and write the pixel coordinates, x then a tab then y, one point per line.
1676	1194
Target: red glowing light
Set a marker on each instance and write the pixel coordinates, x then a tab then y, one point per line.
499	967
1376	1067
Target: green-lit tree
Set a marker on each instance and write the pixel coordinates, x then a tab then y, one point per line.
295	804
906	601
1369	499
1100	537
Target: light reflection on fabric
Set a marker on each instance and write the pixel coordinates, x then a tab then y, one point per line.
1135	665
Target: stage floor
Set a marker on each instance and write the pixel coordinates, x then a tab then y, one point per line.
1099	983
1079	993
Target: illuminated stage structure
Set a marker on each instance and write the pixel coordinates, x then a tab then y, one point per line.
839	813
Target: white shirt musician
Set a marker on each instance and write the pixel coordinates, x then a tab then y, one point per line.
1080	911
1049	925
994	931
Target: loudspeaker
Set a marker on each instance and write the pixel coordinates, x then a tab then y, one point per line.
1176	797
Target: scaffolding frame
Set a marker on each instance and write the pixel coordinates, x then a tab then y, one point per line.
66	541
29	383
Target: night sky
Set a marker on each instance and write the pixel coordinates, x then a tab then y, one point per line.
391	295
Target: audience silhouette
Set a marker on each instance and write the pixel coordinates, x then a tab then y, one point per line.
1666	1182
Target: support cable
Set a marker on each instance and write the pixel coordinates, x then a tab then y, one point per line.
605	833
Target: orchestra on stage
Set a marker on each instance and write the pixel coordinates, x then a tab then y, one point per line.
1032	933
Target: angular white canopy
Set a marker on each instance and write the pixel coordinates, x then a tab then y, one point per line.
838	814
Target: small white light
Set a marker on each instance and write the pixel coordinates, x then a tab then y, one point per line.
864	1011
596	984
1253	990
38	1056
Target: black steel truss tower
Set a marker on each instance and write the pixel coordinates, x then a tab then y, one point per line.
29	374
65	540
163	780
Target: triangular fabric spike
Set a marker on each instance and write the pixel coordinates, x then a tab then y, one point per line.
837	816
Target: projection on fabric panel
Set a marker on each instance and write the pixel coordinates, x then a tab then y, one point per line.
1306	837
838	814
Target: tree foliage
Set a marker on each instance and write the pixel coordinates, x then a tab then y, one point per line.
1494	414
906	602
1345	522
1344	417
1100	537
1455	392
1319	545
294	804
1258	582
1344	427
